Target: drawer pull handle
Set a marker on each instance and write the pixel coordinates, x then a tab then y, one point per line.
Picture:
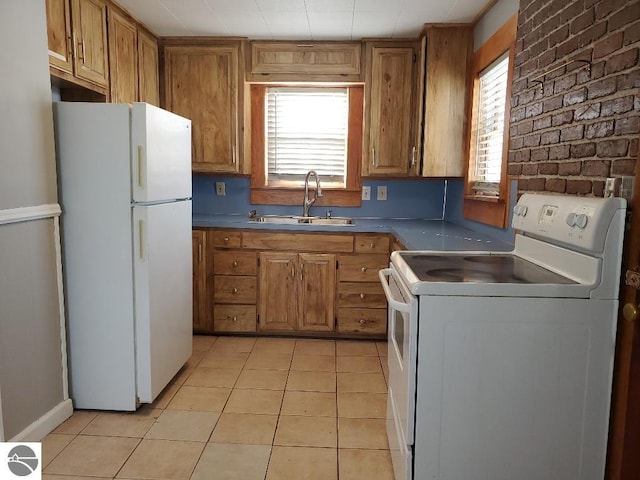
234	291
372	245
234	319
362	295
235	264
363	269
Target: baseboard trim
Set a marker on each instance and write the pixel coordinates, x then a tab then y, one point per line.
46	423
25	214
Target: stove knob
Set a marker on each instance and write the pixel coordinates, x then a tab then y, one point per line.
582	220
523	210
571	219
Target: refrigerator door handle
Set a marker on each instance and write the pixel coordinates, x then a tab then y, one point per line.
140	166
141	239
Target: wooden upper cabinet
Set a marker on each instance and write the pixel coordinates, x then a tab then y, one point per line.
89	37
123	58
279	61
391	146
317	289
148	84
59	34
445	102
202	85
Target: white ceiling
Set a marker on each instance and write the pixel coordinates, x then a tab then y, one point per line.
299	19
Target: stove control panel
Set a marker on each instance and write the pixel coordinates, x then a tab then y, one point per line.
578	221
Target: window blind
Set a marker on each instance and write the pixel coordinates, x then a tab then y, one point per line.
492	97
306	129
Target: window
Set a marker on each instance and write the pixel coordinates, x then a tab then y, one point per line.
486	185
297	141
295	129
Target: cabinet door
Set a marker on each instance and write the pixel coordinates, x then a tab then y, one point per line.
148	86
89	26
202	85
59	34
277	303
199	277
123	59
316	294
392	147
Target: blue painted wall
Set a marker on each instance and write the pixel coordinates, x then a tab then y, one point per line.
428	199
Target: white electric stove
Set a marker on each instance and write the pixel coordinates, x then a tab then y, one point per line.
500	364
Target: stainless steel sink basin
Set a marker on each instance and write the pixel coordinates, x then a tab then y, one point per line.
300	220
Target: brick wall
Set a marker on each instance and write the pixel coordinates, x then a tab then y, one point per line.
582	125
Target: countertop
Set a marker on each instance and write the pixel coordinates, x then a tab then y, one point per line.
414	234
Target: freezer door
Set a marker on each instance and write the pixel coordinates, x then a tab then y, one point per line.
162	295
160	154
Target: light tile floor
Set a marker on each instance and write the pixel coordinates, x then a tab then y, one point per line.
243	408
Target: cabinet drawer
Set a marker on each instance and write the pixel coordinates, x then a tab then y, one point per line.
225	238
363	295
234	289
371	321
371	244
234	318
234	263
361	268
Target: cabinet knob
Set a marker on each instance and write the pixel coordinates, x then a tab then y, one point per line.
226	239
362	295
363	269
234	291
235	263
362	321
234	319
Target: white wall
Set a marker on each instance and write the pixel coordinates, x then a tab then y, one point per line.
502	11
32	348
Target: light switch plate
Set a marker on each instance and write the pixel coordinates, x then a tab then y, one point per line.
221	189
382	192
366	193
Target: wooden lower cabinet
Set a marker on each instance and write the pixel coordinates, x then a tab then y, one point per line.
258	282
199	281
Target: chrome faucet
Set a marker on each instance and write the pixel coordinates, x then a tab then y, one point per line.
308	202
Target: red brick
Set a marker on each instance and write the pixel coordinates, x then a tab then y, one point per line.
533	110
577	96
622	61
559	152
558	35
628	14
627	126
613	148
597	70
608	45
536	184
517	114
580	187
527	96
547	58
540	123
562	118
549	138
608	7
525	128
515	143
583	21
519	86
528	67
599	130
623	167
572	10
632	34
581	150
587	112
633	148
629	80
598	188
539	47
567	47
595	168
523	184
564	84
569	168
530	169
548	168
557	185
514	169
601	88
522	155
531	140
539	154
552	104
575	132
617	105
593	33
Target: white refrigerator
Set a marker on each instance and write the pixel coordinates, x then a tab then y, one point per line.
124	177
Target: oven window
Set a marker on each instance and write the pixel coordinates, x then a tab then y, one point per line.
398	333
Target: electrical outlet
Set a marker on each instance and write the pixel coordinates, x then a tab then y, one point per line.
366	193
611	187
382	192
221	189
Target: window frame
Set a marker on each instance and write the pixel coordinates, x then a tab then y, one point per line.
350	195
488	209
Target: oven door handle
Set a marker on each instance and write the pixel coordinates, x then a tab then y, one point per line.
393	302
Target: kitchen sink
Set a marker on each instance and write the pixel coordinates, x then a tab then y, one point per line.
300	220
